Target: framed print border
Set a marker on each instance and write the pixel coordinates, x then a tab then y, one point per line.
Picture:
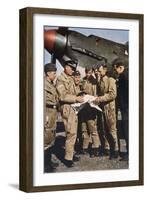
26	99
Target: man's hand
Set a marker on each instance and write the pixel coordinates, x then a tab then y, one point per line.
79	99
97	100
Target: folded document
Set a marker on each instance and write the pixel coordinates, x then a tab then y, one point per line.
87	99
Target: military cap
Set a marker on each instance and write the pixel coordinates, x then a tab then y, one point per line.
50	67
76	73
71	63
118	62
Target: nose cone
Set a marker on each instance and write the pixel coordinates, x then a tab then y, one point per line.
49	40
54	42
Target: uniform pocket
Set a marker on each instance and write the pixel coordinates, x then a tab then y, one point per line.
66	111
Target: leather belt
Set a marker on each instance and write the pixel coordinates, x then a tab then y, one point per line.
51	106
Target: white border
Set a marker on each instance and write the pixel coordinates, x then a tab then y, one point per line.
41	179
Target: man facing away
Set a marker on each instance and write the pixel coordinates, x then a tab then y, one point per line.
67	95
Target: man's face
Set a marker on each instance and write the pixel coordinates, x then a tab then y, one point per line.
89	73
119	69
77	79
51	75
102	71
68	70
97	73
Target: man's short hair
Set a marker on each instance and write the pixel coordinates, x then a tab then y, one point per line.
104	66
101	63
88	69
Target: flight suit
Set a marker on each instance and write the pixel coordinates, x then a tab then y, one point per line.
67	95
89	122
50	113
79	139
101	126
109	93
78	89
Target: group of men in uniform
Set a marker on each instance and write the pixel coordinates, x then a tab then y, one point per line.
98	129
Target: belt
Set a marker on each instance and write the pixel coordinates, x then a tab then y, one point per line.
51	106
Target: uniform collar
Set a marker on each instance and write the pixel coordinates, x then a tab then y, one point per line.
49	81
65	75
104	78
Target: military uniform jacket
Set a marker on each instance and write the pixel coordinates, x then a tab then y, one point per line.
77	89
108	93
50	113
89	86
51	95
123	91
67	93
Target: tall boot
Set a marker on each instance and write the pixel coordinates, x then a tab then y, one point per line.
94	152
49	165
113	153
103	152
47	157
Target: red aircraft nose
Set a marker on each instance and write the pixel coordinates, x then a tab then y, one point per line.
49	40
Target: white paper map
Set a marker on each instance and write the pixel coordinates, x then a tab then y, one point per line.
87	99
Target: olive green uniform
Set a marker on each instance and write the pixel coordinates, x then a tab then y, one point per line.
89	124
108	95
50	113
67	95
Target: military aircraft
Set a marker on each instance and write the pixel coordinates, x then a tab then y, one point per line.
88	51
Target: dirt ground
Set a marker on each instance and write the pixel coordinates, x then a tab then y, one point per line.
86	163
